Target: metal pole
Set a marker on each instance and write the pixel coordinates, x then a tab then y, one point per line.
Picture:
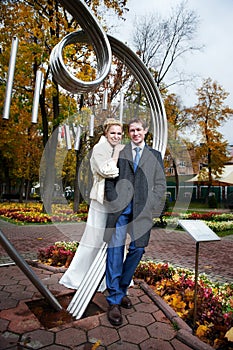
121	106
67	137
77	138
36	98
91	131
196	282
105	99
21	263
9	84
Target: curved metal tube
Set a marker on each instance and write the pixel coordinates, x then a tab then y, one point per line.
96	36
103	44
145	79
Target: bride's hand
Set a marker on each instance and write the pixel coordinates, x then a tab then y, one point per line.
117	149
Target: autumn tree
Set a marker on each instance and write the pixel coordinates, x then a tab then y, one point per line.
39	25
177	123
34	25
209	114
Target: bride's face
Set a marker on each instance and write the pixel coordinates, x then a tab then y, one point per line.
114	134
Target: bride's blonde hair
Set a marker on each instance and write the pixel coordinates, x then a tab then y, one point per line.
111	121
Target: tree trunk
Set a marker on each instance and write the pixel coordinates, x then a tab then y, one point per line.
27	189
176	178
47	176
50	144
21	188
77	194
7	179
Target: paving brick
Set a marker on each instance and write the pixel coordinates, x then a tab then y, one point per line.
23	295
145	299
4	280
133	334
105	335
7	303
3	325
156	344
55	347
100	300
21	319
178	345
134	300
160	317
140	318
37	339
88	323
161	331
146	307
14	288
70	337
8	339
122	345
31	288
135	292
88	346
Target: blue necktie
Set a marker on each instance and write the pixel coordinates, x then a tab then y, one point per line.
137	158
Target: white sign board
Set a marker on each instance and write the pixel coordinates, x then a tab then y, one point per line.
199	231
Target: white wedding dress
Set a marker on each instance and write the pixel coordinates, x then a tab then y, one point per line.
88	248
102	167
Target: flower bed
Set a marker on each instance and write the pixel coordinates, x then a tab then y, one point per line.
59	254
28	213
218	222
214	319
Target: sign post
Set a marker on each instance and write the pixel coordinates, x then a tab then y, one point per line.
200	232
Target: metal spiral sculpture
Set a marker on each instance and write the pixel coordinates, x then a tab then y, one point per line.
104	45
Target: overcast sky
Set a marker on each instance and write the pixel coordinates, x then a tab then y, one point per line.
215	33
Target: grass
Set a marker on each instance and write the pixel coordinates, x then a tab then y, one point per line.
225	233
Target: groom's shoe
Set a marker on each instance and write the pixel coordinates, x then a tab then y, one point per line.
126	302
114	315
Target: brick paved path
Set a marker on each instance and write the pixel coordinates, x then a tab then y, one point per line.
148	325
174	247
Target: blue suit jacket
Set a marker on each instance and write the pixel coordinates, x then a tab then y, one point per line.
145	188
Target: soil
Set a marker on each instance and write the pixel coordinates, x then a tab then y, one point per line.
51	318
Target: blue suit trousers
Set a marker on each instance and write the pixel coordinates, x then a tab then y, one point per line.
119	272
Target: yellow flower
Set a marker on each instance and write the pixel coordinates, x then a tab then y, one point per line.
229	334
176	277
201	331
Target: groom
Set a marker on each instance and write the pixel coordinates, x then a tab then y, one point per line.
134	198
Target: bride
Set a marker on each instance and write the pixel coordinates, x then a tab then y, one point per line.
103	165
